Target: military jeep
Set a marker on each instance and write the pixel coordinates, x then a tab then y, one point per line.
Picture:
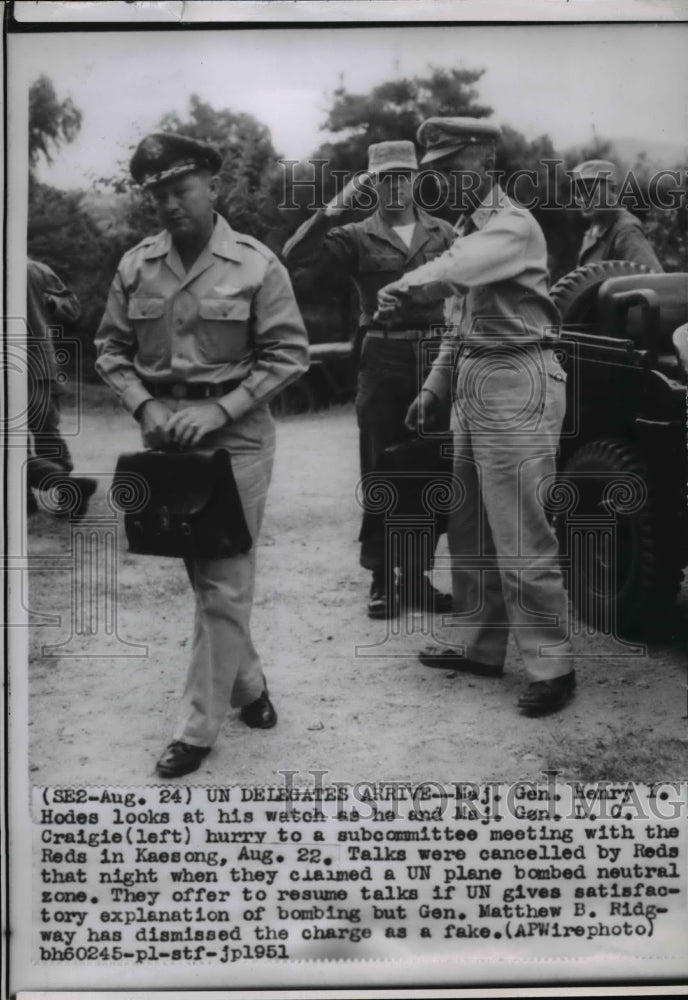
620	502
331	378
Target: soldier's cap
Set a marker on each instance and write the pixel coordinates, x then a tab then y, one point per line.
164	155
593	170
385	156
443	136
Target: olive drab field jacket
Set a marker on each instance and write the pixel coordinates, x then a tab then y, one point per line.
373	255
621	238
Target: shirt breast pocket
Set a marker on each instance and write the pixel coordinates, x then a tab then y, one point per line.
382	264
147	317
223	329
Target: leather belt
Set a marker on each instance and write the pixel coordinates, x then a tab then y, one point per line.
191	390
399	334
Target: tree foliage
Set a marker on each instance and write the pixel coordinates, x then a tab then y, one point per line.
63	234
51	122
397	107
394	110
82	235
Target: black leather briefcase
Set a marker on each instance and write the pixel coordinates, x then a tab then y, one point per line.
183	504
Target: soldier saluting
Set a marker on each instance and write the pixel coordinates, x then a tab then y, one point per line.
396	238
200	331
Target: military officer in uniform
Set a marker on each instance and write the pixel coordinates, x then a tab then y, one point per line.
499	365
200	331
613	233
396	238
49	304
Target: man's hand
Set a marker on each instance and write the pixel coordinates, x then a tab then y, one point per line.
187	427
153	418
680	340
424	412
346	197
390	300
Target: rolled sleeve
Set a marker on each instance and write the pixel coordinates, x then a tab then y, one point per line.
280	344
115	344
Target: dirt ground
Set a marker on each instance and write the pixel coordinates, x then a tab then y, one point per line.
352	699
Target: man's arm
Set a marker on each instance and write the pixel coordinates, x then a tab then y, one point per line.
485	257
319	243
115	344
61	302
280	344
493	254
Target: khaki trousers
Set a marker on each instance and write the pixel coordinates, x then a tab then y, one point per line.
506	422
225	669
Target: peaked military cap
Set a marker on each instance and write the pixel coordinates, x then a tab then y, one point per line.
442	136
163	155
592	170
399	155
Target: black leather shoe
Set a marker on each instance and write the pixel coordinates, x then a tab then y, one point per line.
260	714
68	506
87	488
384	602
428	598
447	658
542	697
180	758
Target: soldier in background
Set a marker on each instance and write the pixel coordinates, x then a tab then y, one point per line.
613	233
396	238
49	303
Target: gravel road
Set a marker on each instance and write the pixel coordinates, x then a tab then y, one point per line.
353	701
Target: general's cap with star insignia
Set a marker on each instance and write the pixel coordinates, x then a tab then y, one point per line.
164	155
443	136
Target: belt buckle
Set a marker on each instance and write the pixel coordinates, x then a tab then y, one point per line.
178	390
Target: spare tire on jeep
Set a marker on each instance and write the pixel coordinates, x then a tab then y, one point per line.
625	560
575	295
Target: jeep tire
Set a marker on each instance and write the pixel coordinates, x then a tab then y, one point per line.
575	295
627	567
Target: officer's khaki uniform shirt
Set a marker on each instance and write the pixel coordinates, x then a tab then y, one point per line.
495	280
232	316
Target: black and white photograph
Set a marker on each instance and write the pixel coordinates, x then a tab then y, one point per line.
346	436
